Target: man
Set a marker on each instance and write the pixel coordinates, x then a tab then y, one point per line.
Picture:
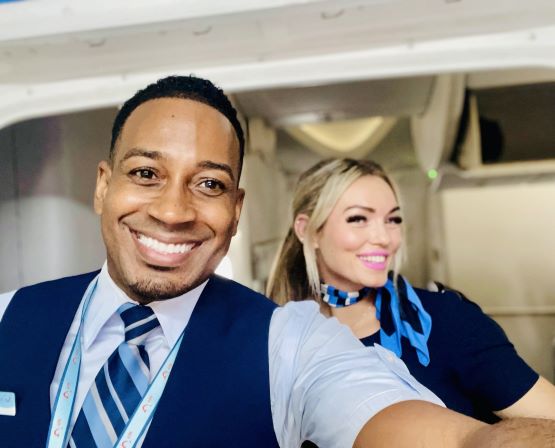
157	351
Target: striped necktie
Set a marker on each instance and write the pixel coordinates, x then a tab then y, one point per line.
119	385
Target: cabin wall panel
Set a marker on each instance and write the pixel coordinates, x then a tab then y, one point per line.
500	244
10	267
266	215
50	203
534	339
500	251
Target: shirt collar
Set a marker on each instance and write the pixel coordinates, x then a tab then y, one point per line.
173	314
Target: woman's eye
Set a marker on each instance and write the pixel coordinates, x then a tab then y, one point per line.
356	219
397	220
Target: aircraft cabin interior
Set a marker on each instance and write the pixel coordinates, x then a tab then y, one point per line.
455	98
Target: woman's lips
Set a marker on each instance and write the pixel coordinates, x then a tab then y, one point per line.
376	261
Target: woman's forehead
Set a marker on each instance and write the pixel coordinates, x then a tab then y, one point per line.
368	191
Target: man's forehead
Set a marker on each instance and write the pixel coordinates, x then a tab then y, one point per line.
178	107
157	118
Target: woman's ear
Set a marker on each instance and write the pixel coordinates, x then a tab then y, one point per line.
301	221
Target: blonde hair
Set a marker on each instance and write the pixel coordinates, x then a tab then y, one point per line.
294	274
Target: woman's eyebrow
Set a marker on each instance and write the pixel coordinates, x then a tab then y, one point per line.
372	210
369	209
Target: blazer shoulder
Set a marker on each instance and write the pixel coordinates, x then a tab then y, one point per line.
61	283
239	292
446	299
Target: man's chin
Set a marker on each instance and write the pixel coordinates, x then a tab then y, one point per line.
152	290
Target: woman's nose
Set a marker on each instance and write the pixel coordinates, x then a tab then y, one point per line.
377	233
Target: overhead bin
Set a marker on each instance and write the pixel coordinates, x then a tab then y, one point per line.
508	124
340	119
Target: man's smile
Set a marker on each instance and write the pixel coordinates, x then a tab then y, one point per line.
164	253
164	248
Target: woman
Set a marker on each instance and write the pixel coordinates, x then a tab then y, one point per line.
344	250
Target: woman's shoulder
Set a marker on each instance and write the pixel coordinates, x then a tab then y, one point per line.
446	299
452	310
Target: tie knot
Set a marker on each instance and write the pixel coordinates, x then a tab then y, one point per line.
139	321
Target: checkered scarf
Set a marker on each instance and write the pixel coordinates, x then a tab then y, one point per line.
399	311
337	298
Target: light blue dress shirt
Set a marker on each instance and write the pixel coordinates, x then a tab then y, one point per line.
324	384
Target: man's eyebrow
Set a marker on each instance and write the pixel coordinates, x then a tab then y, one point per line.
372	210
208	164
138	152
156	155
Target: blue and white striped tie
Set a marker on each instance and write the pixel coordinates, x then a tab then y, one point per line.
119	385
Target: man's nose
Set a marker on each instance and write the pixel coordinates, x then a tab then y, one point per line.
173	205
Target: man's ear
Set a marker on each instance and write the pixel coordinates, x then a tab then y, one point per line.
103	175
299	226
238	207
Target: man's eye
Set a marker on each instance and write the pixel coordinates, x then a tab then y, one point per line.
212	186
143	174
356	219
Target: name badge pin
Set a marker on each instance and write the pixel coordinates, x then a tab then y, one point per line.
7	403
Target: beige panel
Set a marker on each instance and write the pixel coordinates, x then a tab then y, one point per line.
534	338
500	244
500	251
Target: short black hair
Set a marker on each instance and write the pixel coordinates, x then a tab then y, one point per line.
185	87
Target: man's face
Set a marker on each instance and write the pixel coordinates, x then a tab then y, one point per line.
169	202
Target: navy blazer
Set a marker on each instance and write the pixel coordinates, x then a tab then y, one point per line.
218	393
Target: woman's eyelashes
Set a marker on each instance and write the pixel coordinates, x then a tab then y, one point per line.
397	220
357	219
362	219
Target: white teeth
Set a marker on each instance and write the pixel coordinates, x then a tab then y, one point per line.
163	248
374	258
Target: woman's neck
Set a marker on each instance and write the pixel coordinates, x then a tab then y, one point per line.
360	317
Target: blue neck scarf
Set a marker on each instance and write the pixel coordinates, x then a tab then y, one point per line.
337	298
400	315
399	311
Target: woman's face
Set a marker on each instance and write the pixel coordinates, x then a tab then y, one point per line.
357	244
